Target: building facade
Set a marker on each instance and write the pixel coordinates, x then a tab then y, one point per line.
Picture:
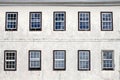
59	40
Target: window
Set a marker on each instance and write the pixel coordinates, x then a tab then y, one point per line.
59	21
106	21
35	21
59	59
34	60
107	60
11	21
84	21
83	60
10	58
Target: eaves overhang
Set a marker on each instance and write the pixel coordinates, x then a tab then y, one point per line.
78	3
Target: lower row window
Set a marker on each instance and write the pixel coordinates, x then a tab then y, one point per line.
34	60
107	60
10	60
59	60
84	60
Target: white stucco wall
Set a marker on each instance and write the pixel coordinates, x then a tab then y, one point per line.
70	40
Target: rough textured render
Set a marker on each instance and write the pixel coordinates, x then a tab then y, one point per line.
70	40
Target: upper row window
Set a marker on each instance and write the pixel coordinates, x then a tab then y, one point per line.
59	21
35	21
84	21
11	21
106	21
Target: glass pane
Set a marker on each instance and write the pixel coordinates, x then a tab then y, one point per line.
35	54
84	65
35	64
59	54
107	55
108	63
59	64
83	55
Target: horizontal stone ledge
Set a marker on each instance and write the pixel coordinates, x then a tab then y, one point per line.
59	40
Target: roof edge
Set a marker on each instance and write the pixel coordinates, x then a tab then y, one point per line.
112	3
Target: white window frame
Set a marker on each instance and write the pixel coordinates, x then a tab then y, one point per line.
34	59
55	54
108	68
86	52
7	60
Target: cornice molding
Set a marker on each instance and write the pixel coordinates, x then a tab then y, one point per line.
114	3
